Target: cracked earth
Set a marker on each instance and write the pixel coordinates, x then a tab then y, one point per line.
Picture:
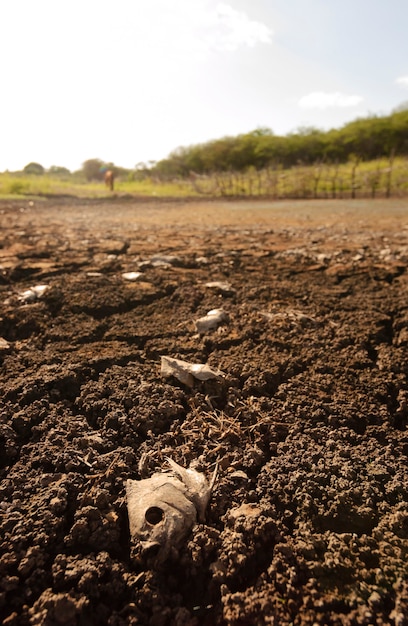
308	518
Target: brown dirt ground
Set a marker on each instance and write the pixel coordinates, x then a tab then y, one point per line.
308	519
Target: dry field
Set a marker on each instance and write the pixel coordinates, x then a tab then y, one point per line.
308	517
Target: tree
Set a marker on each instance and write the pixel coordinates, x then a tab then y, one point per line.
401	107
34	168
93	169
369	138
57	170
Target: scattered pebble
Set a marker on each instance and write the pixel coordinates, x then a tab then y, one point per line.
220	286
4	344
132	275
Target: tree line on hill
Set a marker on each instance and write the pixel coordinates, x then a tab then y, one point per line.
364	139
92	169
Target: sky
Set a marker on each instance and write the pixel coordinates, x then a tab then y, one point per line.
129	81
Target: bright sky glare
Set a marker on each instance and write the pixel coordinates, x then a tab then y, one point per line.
131	80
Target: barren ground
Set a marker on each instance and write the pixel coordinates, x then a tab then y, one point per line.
308	519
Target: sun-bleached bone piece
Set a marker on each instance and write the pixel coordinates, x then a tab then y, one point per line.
186	372
32	294
214	318
163	509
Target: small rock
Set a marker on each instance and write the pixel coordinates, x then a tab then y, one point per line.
220	286
33	294
214	318
4	344
132	275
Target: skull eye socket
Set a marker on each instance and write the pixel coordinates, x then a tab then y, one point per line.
154	515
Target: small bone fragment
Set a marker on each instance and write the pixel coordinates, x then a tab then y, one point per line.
162	510
164	259
32	294
197	485
131	275
221	286
214	318
186	372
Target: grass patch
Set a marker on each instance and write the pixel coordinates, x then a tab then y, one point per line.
17	185
378	178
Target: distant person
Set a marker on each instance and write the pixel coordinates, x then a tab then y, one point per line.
110	179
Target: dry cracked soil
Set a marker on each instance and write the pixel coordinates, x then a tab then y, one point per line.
308	517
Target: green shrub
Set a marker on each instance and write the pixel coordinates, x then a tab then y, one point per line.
17	187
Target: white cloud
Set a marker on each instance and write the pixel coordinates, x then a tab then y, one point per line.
232	29
186	31
402	81
206	26
325	100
